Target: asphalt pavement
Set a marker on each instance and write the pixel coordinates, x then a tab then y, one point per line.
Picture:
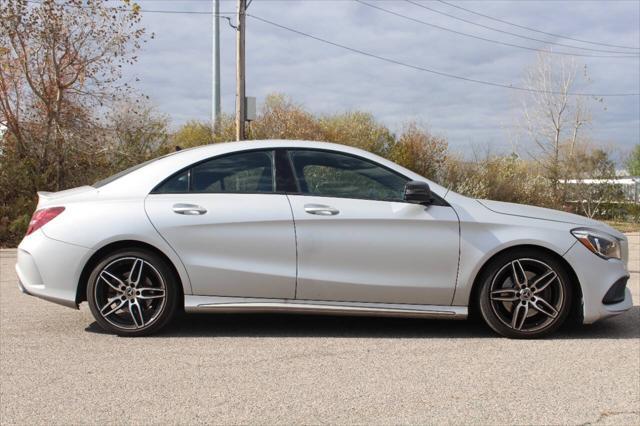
58	367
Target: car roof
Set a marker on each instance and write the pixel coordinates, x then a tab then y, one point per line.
227	147
142	180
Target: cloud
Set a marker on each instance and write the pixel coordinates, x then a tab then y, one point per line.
175	68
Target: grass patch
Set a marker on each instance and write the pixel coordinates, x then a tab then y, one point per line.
624	226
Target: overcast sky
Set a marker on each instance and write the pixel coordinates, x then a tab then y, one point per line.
175	68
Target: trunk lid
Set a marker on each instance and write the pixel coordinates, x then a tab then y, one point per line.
46	199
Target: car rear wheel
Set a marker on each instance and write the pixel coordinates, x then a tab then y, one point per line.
525	294
132	293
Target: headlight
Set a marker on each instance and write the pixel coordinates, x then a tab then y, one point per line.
599	243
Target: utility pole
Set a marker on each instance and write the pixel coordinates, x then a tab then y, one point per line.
240	71
216	110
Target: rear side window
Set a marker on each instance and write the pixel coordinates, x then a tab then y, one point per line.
176	184
244	172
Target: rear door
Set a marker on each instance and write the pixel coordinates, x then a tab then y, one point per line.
233	232
359	241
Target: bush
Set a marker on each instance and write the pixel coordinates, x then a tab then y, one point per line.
614	211
136	137
509	179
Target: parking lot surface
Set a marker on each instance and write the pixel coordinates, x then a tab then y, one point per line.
58	367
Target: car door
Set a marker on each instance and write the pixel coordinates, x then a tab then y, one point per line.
232	231
359	241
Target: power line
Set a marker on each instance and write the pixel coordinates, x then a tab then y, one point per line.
535	30
515	34
404	64
187	12
443	74
624	54
181	12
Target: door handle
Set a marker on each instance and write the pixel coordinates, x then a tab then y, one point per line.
188	209
320	210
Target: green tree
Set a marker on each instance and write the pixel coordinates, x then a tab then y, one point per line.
281	118
193	133
592	186
633	162
357	129
196	133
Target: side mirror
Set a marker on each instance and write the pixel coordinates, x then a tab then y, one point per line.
417	192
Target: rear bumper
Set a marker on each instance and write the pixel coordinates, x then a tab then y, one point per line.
597	276
44	296
50	269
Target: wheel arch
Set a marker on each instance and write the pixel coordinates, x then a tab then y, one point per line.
81	292
576	304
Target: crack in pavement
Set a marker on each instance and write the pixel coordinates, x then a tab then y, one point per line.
607	413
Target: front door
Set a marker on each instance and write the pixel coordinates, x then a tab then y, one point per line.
359	241
232	231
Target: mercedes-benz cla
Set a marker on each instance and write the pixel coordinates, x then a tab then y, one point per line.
313	227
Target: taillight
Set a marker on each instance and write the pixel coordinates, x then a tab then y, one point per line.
42	217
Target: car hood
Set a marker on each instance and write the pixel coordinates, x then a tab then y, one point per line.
533	212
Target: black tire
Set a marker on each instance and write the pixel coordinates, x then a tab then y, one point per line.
525	294
131	303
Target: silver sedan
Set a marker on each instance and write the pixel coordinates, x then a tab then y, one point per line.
313	227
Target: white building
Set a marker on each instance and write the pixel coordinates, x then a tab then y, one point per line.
630	185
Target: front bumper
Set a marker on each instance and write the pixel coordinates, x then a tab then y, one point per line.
50	269
596	276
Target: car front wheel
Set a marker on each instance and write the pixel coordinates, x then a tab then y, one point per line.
525	294
132	293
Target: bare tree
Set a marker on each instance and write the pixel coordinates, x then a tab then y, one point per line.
553	119
137	132
61	62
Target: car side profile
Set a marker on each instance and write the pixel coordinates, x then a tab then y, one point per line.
313	227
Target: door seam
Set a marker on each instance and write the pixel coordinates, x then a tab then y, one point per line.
186	271
455	286
295	236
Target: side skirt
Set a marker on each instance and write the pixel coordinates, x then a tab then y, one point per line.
258	305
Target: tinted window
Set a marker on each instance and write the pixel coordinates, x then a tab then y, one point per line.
125	172
243	172
330	174
178	183
118	175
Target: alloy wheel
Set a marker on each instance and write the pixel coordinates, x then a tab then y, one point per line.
527	295
130	293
